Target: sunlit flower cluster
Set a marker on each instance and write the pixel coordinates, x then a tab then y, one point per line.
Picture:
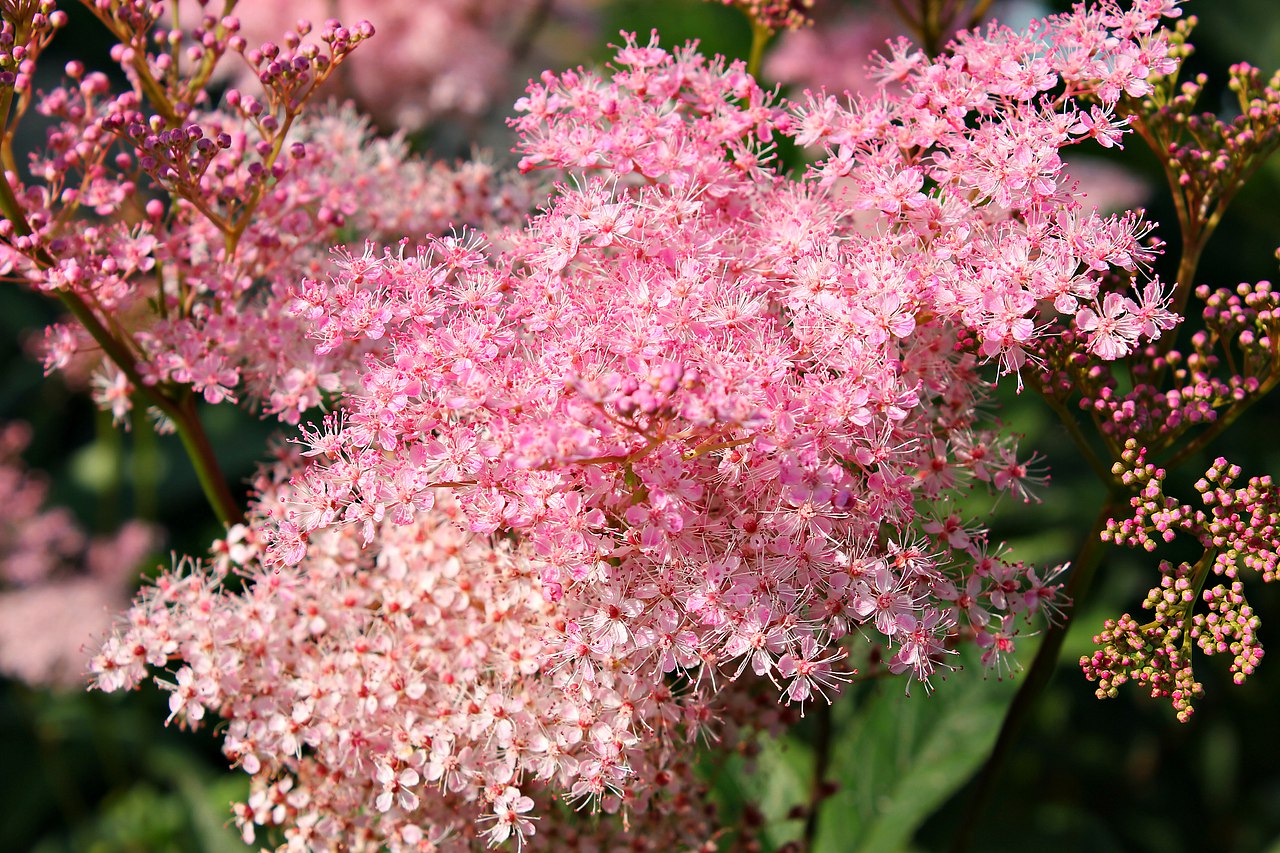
696	423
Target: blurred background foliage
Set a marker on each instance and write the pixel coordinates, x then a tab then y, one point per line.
84	772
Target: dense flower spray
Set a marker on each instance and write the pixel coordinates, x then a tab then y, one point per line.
418	694
695	419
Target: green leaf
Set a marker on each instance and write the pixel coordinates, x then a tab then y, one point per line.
207	797
897	758
771	783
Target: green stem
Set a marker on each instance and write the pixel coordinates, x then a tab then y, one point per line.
181	412
930	27
822	762
1187	266
7	161
1193	246
760	36
1038	677
150	86
905	14
205	461
1202	567
1103	471
979	12
243	219
210	60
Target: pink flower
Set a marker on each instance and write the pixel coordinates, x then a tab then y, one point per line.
811	672
509	811
1112	329
396	788
885	599
1099	124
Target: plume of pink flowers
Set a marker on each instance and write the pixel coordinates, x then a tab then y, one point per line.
697	423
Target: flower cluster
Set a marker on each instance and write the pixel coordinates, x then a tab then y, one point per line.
829	56
695	419
205	218
418	697
1239	529
34	542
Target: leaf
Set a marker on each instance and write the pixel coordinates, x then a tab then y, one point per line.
897	758
772	782
207	798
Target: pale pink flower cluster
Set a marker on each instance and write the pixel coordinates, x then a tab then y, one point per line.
696	418
433	59
34	542
59	588
419	697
